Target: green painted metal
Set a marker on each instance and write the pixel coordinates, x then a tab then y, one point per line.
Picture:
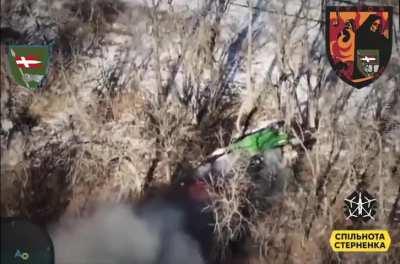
260	141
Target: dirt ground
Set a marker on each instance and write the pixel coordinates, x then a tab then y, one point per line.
140	93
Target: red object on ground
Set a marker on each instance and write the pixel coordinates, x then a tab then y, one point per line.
198	191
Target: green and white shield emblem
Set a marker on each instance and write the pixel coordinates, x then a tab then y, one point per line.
368	61
29	64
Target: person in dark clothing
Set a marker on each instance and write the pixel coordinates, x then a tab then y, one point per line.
370	37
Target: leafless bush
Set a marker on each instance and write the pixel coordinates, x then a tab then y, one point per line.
144	87
234	213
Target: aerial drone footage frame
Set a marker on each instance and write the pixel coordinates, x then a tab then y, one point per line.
180	131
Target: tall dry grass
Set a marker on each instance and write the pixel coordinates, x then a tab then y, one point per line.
137	92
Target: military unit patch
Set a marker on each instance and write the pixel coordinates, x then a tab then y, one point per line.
28	65
359	42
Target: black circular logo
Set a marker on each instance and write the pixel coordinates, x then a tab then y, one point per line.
360	206
24	242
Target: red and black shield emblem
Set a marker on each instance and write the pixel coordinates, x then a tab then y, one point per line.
359	42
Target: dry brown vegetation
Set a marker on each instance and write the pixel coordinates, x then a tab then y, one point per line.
137	92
